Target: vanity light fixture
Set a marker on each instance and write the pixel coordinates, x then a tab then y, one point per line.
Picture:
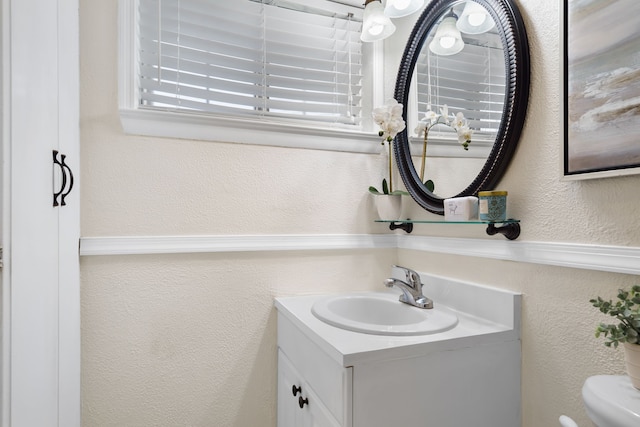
448	40
375	25
400	8
474	19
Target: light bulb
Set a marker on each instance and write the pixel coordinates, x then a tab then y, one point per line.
401	4
376	30
375	25
447	42
400	8
477	19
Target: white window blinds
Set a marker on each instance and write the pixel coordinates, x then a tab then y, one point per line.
471	81
278	61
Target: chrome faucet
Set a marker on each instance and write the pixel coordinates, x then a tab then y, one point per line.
411	288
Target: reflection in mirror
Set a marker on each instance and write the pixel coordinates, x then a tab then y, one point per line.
461	68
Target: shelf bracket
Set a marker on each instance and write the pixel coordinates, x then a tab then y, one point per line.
406	226
511	230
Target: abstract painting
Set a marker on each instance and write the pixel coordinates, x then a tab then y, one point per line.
602	88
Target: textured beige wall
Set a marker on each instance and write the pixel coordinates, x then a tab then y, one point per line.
190	339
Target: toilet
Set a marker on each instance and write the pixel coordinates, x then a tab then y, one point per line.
611	401
567	422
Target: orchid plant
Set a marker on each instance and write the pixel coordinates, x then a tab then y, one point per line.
389	119
456	122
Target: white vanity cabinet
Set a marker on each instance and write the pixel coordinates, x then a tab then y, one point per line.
466	376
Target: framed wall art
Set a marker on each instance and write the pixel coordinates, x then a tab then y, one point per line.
601	88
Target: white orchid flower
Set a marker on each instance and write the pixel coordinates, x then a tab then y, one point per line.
380	115
431	116
420	128
444	112
399	125
394	108
464	136
389	119
392	128
459	121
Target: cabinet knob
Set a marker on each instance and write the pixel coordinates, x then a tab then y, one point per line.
295	390
302	402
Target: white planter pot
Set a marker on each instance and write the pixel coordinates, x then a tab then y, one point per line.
632	359
388	206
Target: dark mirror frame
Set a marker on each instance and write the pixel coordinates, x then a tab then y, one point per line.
516	55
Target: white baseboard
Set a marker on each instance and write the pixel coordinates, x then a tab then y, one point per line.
619	259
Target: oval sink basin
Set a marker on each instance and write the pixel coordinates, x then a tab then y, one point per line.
382	314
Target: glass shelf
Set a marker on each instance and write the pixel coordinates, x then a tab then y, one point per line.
421	221
509	228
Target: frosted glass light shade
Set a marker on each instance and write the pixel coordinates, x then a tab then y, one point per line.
400	8
447	40
375	25
474	19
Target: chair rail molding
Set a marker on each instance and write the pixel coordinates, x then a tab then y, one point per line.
617	259
143	245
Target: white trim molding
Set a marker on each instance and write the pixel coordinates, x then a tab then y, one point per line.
141	245
201	127
618	259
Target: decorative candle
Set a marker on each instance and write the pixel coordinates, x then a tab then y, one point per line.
492	205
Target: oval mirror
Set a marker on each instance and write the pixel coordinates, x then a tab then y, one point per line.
464	82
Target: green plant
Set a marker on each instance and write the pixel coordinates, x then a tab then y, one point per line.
627	311
385	190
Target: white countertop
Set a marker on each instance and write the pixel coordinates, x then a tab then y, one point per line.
473	328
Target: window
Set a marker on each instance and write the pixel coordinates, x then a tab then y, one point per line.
295	66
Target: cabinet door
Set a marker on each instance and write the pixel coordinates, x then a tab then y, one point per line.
41	322
315	413
288	409
290	413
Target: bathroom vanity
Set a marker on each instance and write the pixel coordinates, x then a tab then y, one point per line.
466	375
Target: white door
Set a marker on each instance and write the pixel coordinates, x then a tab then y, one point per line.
41	321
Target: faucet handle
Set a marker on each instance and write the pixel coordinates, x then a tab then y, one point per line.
411	276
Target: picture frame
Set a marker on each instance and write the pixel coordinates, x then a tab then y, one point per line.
601	65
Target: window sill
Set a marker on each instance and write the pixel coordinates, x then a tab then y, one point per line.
206	128
440	147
